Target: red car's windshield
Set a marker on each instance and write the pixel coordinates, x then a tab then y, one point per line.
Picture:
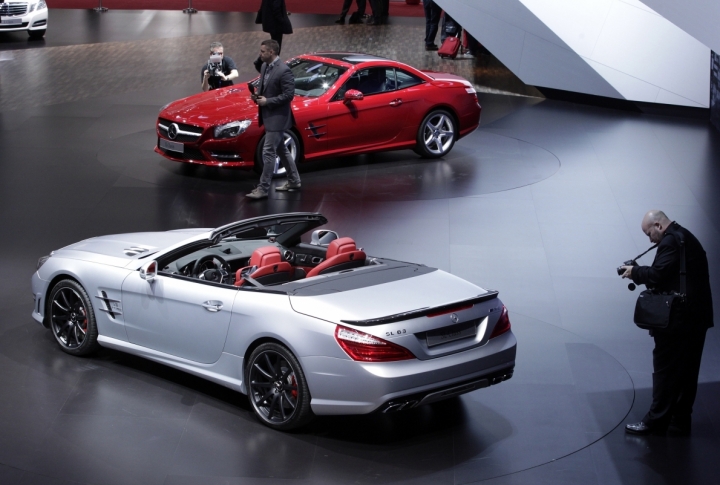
314	78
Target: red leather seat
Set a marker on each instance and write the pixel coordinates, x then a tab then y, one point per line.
270	268
341	254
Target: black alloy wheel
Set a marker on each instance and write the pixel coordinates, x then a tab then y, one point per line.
293	146
72	319
436	135
277	388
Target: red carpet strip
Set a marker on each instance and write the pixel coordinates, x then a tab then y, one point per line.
332	7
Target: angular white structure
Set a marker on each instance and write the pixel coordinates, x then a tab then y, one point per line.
615	48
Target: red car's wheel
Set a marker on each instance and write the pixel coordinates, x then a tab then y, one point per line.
436	135
293	146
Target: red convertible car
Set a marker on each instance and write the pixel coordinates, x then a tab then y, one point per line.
344	104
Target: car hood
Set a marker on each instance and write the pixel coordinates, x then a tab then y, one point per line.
221	106
213	107
123	249
428	290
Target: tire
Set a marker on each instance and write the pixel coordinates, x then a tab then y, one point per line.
277	388
295	152
36	34
72	319
436	135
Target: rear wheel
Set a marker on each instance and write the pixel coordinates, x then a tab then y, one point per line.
436	135
72	319
293	146
277	388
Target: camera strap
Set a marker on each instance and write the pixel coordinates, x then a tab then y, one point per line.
643	254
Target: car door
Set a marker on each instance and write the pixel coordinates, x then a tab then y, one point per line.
183	317
375	120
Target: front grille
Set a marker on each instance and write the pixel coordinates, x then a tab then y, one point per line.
188	154
13	9
192	133
13	26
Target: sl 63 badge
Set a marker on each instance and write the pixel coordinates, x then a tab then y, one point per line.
397	332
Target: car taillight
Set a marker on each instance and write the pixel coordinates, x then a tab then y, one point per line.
502	325
367	348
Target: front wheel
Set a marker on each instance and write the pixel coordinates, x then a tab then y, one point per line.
293	146
36	34
72	319
277	388
436	135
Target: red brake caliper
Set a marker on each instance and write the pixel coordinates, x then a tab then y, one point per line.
293	383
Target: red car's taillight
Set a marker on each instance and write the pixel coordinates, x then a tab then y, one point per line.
502	325
367	348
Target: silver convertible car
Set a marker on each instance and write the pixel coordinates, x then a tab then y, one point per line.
299	319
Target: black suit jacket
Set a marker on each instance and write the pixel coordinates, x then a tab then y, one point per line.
664	275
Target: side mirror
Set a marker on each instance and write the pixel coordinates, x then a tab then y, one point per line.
149	271
352	95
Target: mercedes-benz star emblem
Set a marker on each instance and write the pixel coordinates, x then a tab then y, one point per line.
454	318
173	131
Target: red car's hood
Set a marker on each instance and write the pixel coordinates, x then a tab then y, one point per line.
213	107
221	106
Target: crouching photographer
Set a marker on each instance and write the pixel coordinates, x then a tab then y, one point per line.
677	308
219	70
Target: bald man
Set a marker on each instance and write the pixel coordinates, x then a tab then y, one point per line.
678	350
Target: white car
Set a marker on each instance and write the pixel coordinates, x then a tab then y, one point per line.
31	16
303	327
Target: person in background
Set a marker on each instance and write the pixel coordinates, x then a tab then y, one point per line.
274	19
432	20
223	76
355	18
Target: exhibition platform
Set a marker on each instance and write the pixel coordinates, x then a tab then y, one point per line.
542	203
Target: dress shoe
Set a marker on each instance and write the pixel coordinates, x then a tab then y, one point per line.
341	21
643	429
676	429
431	47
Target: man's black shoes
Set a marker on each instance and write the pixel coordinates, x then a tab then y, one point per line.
341	21
642	429
431	47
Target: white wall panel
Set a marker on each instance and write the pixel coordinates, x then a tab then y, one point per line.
649	47
630	87
615	48
546	64
698	18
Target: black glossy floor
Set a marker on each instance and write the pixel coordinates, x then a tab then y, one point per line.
542	203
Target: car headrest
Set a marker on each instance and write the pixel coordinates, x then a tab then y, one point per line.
339	246
265	255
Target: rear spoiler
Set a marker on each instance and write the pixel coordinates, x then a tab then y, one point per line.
421	312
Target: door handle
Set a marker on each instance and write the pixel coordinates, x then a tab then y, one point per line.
396	102
213	305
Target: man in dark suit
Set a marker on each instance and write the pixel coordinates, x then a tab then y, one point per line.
274	19
274	94
678	349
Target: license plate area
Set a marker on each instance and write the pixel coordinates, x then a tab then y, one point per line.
451	333
173	146
10	21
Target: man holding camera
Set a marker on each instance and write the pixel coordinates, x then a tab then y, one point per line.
219	71
273	96
678	349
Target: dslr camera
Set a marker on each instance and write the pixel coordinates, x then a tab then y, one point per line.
630	262
214	65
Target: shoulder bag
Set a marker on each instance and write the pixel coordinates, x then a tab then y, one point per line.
655	310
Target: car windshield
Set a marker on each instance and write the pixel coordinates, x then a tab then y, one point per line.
264	232
314	78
